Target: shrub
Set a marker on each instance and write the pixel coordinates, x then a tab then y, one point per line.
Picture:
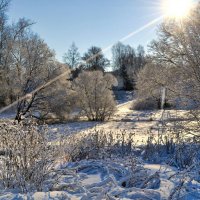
95	96
98	144
26	157
145	104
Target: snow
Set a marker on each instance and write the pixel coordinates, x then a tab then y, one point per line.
97	179
102	179
113	178
7	115
124	119
91	179
94	179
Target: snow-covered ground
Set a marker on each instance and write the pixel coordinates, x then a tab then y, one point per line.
141	123
110	179
98	181
114	178
7	115
125	119
107	179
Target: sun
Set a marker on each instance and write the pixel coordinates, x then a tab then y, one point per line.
177	8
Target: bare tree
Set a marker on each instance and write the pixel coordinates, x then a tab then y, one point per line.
31	60
95	95
8	36
26	65
174	62
178	46
56	101
150	81
4	4
72	57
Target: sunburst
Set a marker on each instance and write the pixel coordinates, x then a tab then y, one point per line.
177	8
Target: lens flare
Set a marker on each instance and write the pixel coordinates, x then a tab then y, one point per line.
177	8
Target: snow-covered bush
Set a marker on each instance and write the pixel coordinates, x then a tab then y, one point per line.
158	149
26	157
95	96
172	148
145	104
98	144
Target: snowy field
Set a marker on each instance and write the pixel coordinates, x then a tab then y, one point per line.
141	123
114	178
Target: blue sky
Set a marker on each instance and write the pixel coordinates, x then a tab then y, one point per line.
88	22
